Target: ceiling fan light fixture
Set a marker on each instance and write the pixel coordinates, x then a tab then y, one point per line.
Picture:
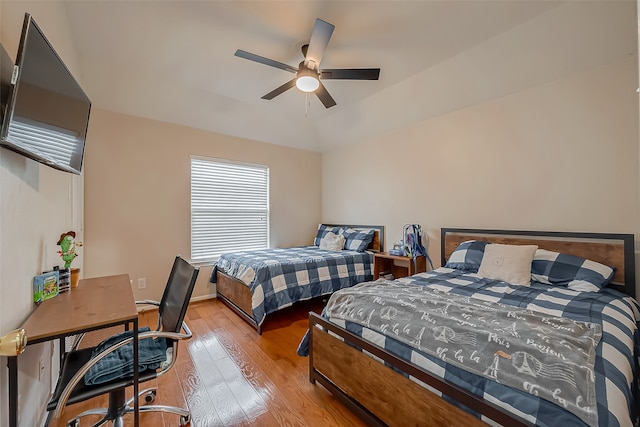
307	83
307	80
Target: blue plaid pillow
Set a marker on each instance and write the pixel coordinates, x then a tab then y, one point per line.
578	274
357	240
467	256
323	230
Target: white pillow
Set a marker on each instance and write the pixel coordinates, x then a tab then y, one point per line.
332	242
509	263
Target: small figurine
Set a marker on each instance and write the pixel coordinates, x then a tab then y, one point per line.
68	247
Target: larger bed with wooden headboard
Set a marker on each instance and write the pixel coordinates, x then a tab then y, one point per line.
578	367
257	283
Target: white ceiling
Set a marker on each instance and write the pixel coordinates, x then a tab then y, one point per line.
174	61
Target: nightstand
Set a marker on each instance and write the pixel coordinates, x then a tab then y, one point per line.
399	266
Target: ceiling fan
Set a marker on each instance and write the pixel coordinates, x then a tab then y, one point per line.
308	75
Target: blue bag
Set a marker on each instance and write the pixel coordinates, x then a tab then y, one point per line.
412	236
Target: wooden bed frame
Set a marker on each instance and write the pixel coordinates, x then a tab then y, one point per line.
237	296
382	396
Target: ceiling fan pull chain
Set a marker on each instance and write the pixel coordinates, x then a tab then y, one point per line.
306	105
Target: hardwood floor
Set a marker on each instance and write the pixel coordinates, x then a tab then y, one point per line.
228	375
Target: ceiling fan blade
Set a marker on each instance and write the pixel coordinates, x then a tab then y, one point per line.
266	61
324	96
277	91
320	37
351	74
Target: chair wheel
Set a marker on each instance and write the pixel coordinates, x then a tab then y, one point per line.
150	397
185	420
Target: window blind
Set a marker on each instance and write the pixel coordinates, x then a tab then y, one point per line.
229	208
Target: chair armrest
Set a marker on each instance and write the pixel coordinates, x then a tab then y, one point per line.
148	301
170	335
64	396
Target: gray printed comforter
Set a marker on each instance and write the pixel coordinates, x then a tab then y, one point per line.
547	356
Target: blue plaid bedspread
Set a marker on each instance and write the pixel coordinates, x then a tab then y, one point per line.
616	354
279	277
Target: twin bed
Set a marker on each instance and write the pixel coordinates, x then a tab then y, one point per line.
257	283
453	347
462	345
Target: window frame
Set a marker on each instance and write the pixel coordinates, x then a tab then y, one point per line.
213	257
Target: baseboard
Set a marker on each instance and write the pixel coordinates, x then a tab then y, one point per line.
148	307
204	297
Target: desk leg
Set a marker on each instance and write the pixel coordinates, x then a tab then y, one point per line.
12	363
62	351
136	401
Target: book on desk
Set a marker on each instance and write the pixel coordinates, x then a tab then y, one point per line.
46	286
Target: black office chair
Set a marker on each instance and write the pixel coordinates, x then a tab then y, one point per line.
71	387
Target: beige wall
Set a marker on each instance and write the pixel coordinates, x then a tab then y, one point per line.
137	180
559	156
37	204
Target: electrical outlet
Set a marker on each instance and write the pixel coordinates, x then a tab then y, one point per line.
142	283
40	369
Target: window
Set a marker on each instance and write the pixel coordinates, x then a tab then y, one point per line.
229	208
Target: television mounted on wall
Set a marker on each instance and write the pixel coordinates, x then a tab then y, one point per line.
47	113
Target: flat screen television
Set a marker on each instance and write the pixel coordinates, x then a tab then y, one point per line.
47	112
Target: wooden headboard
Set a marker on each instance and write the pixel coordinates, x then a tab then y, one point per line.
614	250
377	245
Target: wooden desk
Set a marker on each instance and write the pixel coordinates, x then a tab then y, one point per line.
95	303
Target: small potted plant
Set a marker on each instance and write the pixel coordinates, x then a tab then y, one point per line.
67	252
